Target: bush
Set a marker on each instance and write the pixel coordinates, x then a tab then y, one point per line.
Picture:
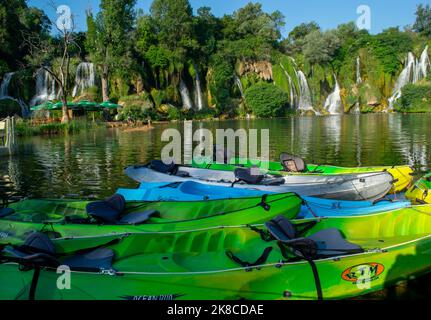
415	98
266	100
9	108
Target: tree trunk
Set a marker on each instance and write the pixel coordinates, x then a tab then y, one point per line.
105	87
65	118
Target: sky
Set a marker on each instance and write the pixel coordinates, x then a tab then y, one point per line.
328	14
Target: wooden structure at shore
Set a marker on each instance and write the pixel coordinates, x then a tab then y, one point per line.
7	136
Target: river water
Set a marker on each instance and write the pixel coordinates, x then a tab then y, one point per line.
91	163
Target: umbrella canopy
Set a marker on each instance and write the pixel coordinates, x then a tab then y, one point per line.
59	105
44	106
109	105
88	105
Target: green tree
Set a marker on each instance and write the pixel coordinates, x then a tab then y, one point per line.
320	47
423	20
109	38
266	100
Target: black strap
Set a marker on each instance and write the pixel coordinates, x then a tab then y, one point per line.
265	236
263	203
235	182
34	282
316	278
261	260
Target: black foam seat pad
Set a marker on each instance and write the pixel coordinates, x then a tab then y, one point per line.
331	243
97	259
138	218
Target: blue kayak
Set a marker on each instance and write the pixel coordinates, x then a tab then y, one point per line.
194	191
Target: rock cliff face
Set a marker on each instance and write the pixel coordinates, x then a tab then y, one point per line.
263	69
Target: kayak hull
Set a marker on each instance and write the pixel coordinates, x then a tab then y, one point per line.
193	191
402	174
354	187
31	215
196	267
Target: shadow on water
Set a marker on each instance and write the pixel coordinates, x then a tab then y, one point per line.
409	278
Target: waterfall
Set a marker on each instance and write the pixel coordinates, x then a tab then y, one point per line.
240	87
356	109
199	101
333	103
4	88
4	93
300	98
292	90
185	96
85	78
358	71
414	70
304	93
45	87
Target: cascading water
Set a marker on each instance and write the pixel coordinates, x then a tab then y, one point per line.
85	78
304	93
199	101
4	88
358	71
45	87
414	70
240	87
4	93
292	90
185	95
300	97
333	103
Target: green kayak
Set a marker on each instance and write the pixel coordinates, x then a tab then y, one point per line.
332	258
292	165
76	218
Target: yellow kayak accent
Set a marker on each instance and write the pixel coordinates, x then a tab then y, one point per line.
420	192
403	178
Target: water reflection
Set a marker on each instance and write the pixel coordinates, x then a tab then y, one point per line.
92	163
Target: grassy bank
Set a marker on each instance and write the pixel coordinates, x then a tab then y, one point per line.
28	128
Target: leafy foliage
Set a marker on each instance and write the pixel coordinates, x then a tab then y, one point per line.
266	100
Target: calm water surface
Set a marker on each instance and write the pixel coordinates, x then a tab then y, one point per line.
91	163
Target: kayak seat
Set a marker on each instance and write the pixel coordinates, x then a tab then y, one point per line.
138	218
160	166
331	243
292	163
110	210
323	244
98	259
38	249
245	174
4	212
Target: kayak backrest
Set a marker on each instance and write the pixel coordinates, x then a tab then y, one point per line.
245	174
281	229
108	210
292	163
38	242
160	166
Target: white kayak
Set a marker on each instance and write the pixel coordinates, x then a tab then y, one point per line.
351	187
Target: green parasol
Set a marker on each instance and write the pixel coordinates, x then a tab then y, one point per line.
44	106
88	105
109	105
